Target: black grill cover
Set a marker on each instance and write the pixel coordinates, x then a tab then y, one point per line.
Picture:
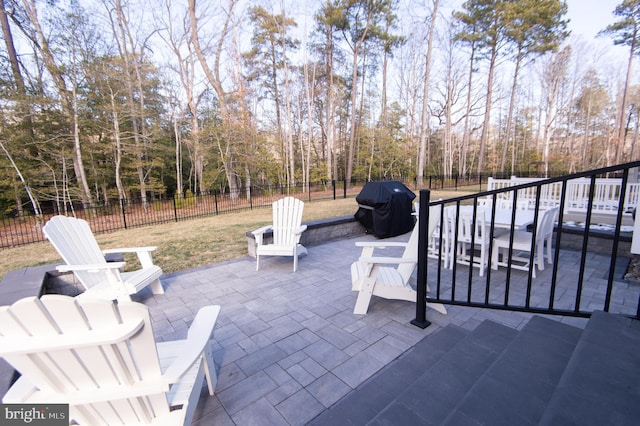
385	208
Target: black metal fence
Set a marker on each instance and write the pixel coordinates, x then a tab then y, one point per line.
123	214
510	290
17	230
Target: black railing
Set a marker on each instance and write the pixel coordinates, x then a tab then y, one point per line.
506	289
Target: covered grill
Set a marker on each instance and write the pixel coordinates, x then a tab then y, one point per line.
385	208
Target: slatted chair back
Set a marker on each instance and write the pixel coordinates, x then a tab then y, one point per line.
411	250
286	229
76	244
98	356
71	351
287	218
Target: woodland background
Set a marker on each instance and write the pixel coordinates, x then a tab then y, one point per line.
135	100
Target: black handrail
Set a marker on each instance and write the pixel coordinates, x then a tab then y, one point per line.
492	282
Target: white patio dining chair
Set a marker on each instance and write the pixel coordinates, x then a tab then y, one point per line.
523	244
507	203
470	242
100	357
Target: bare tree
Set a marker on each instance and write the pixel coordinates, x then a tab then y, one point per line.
554	75
539	29
484	25
424	119
626	32
360	24
327	21
213	73
131	58
39	40
177	39
21	91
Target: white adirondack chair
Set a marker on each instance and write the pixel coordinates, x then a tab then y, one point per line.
374	276
77	246
100	357
287	229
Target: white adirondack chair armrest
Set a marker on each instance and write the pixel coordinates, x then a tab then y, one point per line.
262	230
91	268
259	233
380	244
386	260
371	262
97	267
24	392
299	230
198	338
144	253
368	247
130	250
14	345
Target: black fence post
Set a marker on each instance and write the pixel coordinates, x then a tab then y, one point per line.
175	207
124	216
421	283
344	189
215	198
333	184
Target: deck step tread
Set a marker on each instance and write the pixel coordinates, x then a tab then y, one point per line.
600	383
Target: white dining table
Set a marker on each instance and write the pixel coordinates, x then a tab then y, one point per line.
503	217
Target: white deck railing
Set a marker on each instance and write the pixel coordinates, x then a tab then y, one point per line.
606	198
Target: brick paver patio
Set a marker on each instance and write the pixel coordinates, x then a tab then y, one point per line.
287	345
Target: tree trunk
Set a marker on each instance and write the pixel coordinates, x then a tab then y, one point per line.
288	130
310	97
34	201
424	120
332	171
466	134
77	158
354	99
512	102
137	112
176	132
587	130
487	111
213	77
122	195
42	44
25	110
623	108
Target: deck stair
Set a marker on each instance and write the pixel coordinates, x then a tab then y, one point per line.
546	373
